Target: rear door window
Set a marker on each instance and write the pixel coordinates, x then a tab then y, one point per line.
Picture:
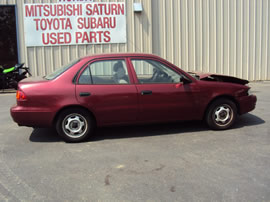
105	72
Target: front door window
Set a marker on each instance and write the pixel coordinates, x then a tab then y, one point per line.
150	71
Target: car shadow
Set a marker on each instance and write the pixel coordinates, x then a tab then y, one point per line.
148	130
120	132
44	135
247	120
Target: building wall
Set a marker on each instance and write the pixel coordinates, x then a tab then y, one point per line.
222	36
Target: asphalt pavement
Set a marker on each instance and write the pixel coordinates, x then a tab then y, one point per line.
164	162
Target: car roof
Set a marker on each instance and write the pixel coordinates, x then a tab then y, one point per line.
105	55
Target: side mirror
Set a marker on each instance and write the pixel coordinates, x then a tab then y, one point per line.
184	80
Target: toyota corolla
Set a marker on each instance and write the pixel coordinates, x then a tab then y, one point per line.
117	89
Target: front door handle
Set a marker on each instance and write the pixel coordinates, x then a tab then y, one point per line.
146	92
84	94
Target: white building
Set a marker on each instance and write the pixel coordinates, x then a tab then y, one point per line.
220	36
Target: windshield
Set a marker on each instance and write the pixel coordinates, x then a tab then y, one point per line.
60	70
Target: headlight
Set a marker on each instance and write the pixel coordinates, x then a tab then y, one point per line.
243	92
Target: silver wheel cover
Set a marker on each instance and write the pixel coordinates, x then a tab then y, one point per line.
74	125
223	115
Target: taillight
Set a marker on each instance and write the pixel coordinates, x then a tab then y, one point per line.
20	96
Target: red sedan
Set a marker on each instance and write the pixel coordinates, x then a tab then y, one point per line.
112	89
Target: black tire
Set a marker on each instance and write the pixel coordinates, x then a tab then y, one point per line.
221	114
75	125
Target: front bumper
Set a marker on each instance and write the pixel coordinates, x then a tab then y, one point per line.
247	104
31	117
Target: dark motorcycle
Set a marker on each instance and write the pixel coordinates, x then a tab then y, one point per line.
9	78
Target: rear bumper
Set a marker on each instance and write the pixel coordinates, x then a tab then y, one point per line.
247	104
31	117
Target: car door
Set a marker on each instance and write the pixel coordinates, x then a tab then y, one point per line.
111	96
162	97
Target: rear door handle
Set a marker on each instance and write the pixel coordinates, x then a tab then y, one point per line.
85	94
146	92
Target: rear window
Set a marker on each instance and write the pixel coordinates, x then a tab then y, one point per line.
61	70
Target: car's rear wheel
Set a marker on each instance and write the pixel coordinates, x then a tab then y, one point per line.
75	125
221	114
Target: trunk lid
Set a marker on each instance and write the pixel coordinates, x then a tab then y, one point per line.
38	79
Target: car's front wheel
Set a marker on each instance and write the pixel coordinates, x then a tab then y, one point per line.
221	114
75	125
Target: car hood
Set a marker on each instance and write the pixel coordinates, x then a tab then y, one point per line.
218	77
